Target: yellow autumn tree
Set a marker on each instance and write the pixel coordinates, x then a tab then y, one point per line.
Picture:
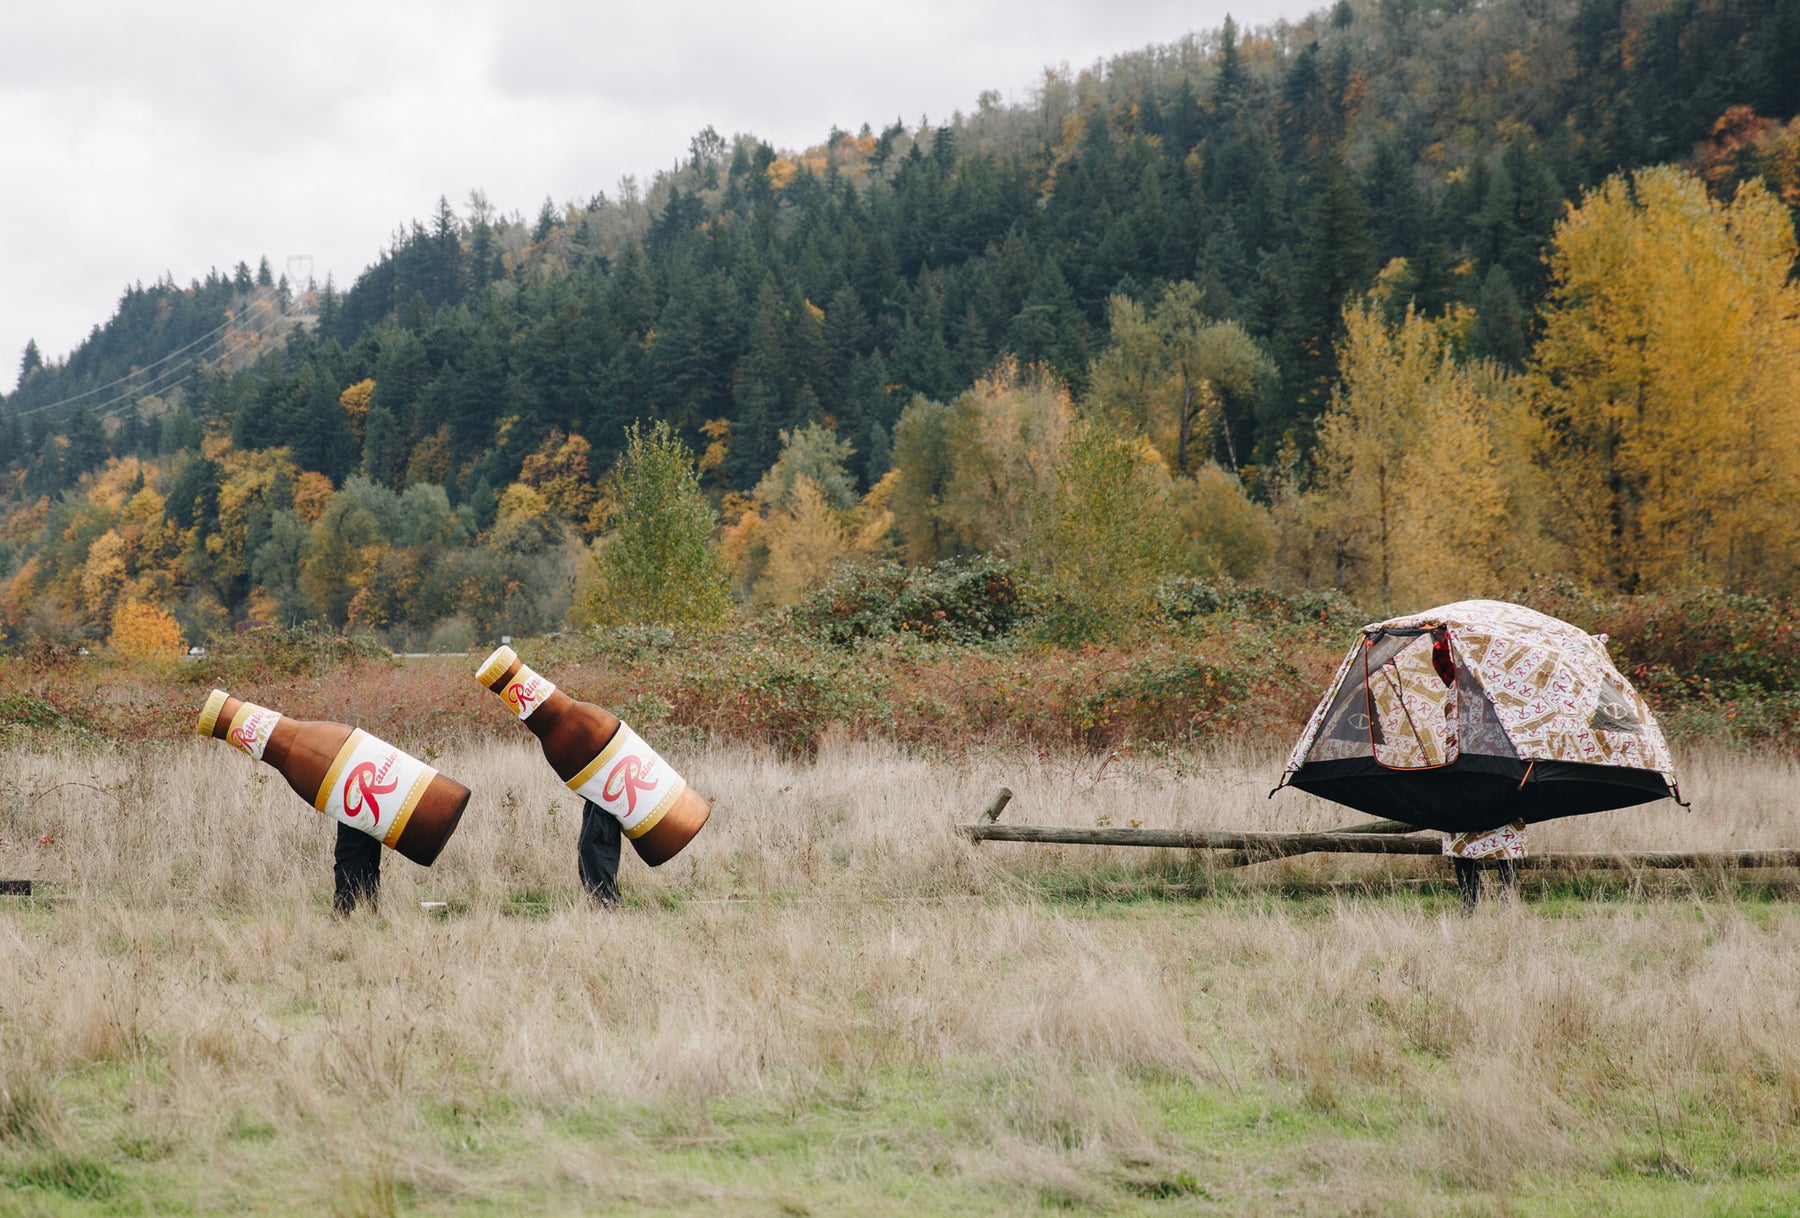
341	553
103	576
718	447
1420	493
973	474
1006	437
254	482
312	494
1669	371
806	541
431	458
1223	531
803	521
558	471
1169	371
144	632
355	401
1104	534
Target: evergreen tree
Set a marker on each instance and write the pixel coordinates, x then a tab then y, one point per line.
546	220
131	434
1229	76
30	362
761	389
1334	264
87	441
321	435
846	337
1499	330
384	448
182	431
1049	329
12	440
922	359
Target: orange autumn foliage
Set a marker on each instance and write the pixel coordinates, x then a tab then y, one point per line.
144	632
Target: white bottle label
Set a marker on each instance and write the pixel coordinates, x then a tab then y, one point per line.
373	786
629	780
251	727
526	692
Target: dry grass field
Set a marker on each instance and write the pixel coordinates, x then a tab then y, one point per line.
833	1004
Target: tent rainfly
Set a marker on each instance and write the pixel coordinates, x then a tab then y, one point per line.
1478	714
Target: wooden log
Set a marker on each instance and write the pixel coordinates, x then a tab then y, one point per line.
1232	859
15	888
1274	845
1381	826
1244	849
997	805
1663	860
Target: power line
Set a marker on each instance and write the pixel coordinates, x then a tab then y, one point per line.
130	396
158	384
262	302
219	333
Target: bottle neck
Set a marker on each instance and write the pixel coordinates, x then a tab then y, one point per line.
527	692
572	732
256	730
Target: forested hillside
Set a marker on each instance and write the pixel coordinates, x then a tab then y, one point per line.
1412	298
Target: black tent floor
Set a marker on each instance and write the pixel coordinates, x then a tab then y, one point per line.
1479	792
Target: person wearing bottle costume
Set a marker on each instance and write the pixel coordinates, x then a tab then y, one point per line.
627	790
597	854
355	871
379	795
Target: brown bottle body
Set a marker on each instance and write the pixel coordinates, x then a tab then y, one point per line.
574	735
303	752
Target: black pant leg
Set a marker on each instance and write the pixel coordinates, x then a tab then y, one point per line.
1468	880
356	870
1509	877
597	853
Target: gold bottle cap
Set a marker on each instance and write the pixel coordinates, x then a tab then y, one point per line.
209	714
495	666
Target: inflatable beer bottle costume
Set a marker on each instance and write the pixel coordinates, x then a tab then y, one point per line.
347	774
601	759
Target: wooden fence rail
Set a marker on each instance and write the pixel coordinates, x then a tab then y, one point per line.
1376	837
1272	844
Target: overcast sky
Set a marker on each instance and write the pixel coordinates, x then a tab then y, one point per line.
138	140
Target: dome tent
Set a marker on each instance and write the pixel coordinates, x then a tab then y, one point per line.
1477	714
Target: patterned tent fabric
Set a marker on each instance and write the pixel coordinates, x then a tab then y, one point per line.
1415	707
1550	687
1505	842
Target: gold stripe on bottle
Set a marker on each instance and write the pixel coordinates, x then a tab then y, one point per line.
245	710
594	767
416	793
337	767
668	801
209	714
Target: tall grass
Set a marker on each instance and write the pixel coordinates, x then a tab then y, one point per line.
831	1000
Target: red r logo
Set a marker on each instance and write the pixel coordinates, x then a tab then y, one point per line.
246	735
363	779
522	694
627	778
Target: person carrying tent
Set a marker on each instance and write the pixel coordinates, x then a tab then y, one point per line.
1477	719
